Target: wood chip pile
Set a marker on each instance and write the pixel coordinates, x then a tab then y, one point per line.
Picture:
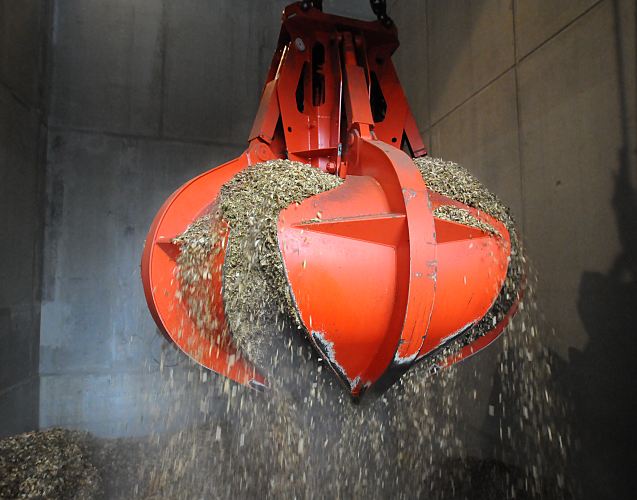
256	295
462	216
50	464
455	182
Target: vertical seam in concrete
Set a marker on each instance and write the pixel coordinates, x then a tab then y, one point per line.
46	33
162	71
43	104
621	77
506	70
50	36
129	72
428	141
522	222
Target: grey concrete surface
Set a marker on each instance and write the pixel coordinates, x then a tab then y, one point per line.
163	68
571	178
136	402
22	42
411	57
537	21
20	206
214	75
19	407
482	134
555	136
578	138
106	65
23	34
536	98
145	94
102	193
469	44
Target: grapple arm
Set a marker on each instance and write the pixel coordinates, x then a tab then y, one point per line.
378	281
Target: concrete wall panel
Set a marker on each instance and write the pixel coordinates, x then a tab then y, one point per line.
21	47
482	136
127	403
571	138
19	407
22	135
107	65
143	92
470	44
538	20
411	58
102	194
19	178
214	75
188	70
573	85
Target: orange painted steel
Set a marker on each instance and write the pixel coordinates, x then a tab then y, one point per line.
379	282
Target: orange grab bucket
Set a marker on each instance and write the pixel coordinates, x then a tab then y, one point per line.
379	282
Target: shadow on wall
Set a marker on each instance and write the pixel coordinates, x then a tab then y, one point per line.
602	375
598	382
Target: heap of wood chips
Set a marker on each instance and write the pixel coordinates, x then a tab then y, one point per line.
48	464
256	293
462	216
455	182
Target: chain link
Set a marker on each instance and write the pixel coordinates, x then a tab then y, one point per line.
380	9
317	4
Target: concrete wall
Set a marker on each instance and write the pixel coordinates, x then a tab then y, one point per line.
537	98
145	94
23	34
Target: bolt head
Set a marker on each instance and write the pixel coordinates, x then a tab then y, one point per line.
262	152
299	44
